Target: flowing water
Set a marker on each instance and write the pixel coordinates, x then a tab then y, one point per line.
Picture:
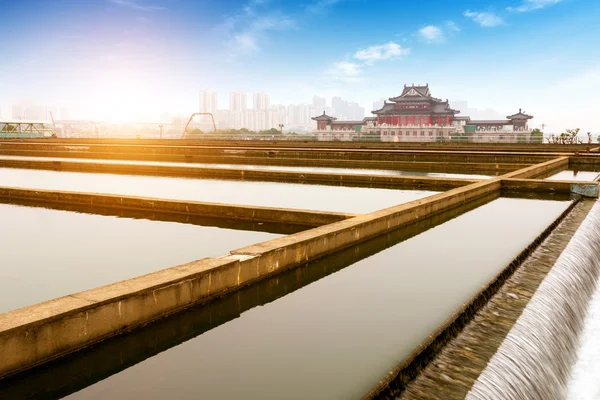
336	337
286	195
535	358
48	253
358	171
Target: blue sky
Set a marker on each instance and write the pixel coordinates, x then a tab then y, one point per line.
108	57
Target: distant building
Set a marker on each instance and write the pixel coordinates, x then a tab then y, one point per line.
416	116
208	101
17	112
378	104
35	113
319	103
260	101
237	101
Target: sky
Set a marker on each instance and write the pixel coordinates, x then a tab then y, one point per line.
118	58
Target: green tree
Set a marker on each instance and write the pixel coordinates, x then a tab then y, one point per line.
270	132
537	136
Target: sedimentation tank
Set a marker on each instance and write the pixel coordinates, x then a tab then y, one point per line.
339	270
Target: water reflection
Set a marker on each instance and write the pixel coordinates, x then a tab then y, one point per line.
334	338
359	171
75	372
48	253
574	175
270	194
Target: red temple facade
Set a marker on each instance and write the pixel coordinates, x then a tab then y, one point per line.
415	115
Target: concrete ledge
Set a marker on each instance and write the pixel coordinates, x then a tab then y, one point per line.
232	142
111	356
380	181
587	189
39	333
540	170
427	166
307	218
223	153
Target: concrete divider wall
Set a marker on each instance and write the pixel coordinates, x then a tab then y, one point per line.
540	170
233	142
381	181
428	166
589	189
36	334
291	152
308	218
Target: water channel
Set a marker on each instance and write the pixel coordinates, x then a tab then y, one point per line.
574	175
333	338
359	171
50	253
271	194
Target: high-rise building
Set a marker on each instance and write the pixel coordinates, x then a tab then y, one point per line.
260	101
208	101
346	110
237	101
35	113
17	112
378	105
319	103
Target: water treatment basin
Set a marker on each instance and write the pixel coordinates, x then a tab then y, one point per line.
333	338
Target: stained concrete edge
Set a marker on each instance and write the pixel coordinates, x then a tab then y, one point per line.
241	174
220	210
39	333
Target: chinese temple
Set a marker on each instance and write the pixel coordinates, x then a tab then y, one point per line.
415	115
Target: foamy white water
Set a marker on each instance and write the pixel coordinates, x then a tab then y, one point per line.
534	361
584	383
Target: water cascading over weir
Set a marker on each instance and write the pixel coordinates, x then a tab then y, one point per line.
534	361
546	351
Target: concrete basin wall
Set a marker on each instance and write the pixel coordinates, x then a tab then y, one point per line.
39	333
377	181
308	218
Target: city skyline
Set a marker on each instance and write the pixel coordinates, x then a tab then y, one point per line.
120	59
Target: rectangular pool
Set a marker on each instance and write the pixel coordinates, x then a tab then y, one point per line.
270	194
48	253
338	336
358	171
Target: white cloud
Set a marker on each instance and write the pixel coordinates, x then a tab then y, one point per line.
137	5
275	23
451	25
431	33
321	6
381	52
251	26
245	43
345	71
485	19
532	5
351	71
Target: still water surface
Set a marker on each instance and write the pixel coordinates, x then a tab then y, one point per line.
574	175
48	253
271	194
359	171
336	337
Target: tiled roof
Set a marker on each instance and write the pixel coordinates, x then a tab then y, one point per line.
488	121
519	115
323	117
